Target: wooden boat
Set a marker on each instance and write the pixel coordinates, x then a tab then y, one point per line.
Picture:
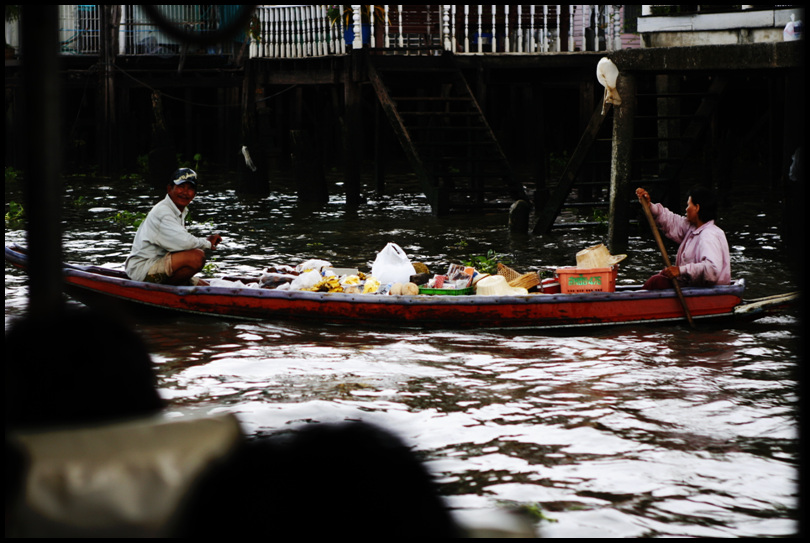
628	304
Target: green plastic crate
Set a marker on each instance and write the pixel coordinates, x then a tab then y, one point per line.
447	291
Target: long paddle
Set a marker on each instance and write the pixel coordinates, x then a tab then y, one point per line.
646	205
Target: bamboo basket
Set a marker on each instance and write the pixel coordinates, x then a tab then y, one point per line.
516	279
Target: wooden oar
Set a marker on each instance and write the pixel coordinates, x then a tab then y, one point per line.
646	205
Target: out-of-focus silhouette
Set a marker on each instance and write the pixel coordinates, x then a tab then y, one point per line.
90	454
77	367
320	481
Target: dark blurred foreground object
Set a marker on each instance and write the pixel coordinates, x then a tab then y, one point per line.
124	479
76	367
89	454
322	481
159	477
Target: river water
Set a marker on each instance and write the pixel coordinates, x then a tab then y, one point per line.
658	431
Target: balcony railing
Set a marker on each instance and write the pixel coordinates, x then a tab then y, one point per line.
295	31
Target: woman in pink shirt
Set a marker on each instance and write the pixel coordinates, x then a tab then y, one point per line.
703	258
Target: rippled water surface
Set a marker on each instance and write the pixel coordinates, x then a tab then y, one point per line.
630	431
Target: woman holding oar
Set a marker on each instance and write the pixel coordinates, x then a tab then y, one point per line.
703	258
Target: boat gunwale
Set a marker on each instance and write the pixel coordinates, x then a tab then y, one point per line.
623	293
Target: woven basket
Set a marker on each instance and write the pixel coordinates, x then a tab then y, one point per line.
507	272
516	279
527	281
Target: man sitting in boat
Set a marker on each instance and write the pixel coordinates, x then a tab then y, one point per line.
703	258
163	250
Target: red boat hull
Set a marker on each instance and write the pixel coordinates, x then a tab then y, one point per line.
522	311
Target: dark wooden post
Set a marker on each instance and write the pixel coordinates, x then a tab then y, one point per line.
621	165
108	149
43	186
380	154
226	143
586	105
189	145
310	180
352	137
307	164
253	175
794	229
162	155
540	152
519	217
669	129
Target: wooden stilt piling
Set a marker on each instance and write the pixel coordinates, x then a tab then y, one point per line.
621	166
310	181
352	138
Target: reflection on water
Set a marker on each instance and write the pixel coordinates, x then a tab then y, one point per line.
626	432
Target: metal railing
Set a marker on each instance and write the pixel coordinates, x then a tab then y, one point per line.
137	35
79	29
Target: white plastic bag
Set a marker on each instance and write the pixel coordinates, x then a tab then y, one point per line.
793	30
306	280
312	265
392	265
